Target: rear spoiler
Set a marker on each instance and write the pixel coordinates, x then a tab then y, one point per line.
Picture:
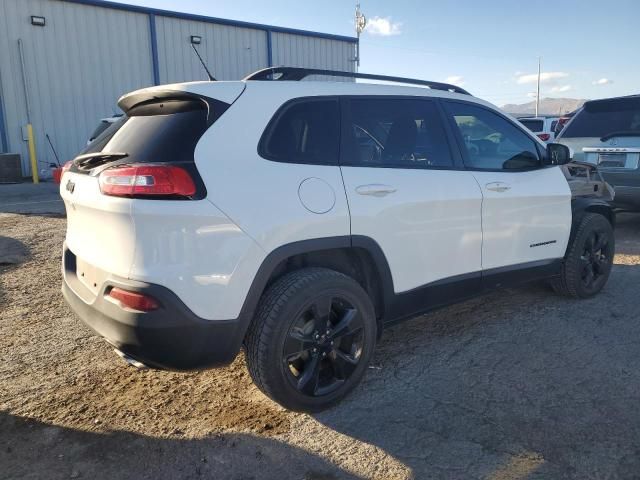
226	92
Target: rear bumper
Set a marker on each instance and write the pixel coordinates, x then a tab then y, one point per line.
171	337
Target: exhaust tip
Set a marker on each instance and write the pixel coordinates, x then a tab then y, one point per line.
131	361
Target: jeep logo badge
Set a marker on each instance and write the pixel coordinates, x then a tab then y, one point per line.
70	186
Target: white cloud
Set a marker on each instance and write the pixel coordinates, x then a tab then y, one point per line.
383	26
561	88
532	94
545	77
602	81
455	80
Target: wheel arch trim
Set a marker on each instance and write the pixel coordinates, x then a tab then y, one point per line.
284	252
582	205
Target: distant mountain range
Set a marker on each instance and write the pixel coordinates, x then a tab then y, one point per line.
548	106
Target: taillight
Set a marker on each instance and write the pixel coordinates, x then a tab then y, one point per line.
66	167
544	136
143	180
134	300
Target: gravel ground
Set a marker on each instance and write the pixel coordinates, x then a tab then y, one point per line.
513	385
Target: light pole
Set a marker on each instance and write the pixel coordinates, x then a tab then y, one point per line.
361	23
538	88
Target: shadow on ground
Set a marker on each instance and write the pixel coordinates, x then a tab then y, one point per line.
628	234
12	253
36	450
512	385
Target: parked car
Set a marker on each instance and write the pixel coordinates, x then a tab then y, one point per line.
562	121
543	126
298	218
102	126
606	133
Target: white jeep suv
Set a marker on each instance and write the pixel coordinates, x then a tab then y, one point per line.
297	218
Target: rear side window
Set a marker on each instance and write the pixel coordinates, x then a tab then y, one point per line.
304	131
604	117
159	131
400	133
492	142
533	125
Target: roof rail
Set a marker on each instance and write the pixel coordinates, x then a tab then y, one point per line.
296	73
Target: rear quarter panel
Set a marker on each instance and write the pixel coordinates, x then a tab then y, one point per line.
259	195
195	250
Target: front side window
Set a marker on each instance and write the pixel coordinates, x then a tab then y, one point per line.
306	131
402	133
490	141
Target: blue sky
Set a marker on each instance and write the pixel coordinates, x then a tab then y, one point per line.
589	48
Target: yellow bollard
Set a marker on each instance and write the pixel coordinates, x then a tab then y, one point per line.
32	154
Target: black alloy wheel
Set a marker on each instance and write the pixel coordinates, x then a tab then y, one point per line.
595	259
324	345
589	258
311	339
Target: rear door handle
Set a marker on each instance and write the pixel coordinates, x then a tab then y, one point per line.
497	187
375	190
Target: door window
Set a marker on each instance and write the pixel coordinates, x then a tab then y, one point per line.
401	133
490	141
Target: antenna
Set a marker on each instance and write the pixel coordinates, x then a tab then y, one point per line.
54	150
211	77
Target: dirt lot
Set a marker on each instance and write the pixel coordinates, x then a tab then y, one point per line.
517	384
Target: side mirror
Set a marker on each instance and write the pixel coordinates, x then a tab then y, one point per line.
558	154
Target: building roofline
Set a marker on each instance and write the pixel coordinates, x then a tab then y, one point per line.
214	20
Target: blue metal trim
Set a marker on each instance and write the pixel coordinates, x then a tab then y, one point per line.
3	132
269	50
216	20
154	49
4	140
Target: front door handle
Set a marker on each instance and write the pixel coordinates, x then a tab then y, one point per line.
497	187
375	190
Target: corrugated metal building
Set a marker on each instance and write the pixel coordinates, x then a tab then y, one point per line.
90	52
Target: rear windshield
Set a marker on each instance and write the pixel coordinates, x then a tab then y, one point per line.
533	125
603	117
159	131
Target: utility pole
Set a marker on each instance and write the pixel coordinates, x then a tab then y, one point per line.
361	23
538	88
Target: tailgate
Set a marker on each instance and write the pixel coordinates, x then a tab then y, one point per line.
100	229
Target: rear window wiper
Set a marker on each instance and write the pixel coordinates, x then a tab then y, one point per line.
89	161
622	133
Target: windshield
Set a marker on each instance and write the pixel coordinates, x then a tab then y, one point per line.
602	117
533	125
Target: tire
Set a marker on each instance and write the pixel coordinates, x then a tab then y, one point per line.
300	318
589	258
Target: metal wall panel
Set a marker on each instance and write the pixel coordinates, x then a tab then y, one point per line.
298	51
88	55
229	52
77	66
